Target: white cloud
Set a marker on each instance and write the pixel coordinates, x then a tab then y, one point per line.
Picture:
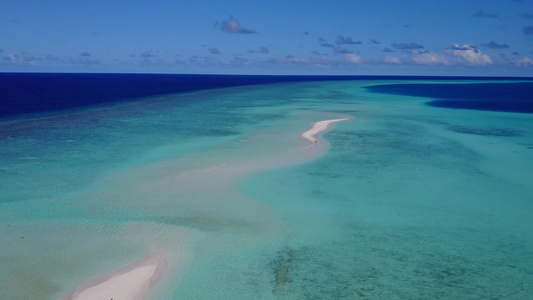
214	50
11	58
354	59
289	59
24	59
233	26
392	59
321	62
407	46
50	57
470	54
341	40
241	60
147	54
429	58
214	60
526	61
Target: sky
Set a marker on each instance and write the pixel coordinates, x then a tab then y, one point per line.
300	37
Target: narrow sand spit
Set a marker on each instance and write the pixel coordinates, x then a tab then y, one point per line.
129	283
133	281
319	127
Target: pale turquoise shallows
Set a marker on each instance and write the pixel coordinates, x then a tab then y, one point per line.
404	201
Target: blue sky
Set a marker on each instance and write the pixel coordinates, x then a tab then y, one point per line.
366	37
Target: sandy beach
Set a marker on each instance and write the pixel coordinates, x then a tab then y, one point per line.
319	127
129	283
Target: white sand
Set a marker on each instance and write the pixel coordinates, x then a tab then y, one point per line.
319	127
130	283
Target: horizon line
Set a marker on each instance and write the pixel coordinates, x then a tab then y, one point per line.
286	75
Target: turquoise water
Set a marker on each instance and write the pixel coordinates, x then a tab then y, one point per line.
405	201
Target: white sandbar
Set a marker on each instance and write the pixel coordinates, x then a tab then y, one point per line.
131	283
319	127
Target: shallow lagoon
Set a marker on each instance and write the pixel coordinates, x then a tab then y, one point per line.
406	201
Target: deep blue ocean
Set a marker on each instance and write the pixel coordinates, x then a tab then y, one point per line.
495	96
22	93
26	93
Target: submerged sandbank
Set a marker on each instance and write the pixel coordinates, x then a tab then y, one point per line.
133	281
129	283
319	127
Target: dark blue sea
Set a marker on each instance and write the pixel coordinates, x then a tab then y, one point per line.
22	93
493	96
27	93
